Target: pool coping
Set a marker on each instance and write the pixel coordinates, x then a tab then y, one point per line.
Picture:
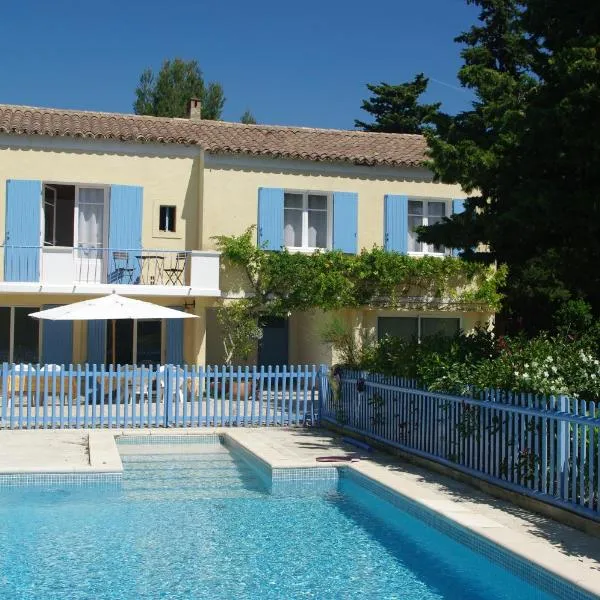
100	456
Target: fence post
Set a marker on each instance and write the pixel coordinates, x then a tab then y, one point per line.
166	395
323	389
562	448
6	393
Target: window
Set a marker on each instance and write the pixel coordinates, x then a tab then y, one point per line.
5	316
408	328
439	326
305	220
59	211
26	344
420	213
19	335
74	215
149	342
166	218
136	343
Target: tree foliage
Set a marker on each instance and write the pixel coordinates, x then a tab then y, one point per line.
527	152
168	93
248	118
396	108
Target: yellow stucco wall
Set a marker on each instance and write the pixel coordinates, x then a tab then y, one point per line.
172	180
210	200
228	203
231	196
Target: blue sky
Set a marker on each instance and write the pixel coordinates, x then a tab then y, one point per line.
291	63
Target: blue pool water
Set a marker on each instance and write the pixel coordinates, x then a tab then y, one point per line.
203	525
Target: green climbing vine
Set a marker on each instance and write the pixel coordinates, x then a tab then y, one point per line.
278	283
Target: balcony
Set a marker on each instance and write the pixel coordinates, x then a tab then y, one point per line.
100	270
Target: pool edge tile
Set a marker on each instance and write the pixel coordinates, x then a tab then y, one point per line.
481	537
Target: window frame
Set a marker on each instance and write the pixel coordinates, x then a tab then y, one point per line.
134	340
419	319
305	194
425	202
77	187
167	221
11	334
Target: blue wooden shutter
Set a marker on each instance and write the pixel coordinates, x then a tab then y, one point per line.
458	207
345	221
23	237
396	223
174	354
96	342
270	218
124	230
57	340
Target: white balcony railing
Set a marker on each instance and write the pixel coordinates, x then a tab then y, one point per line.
62	266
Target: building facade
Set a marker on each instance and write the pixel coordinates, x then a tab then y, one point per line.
92	203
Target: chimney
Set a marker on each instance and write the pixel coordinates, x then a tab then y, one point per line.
195	110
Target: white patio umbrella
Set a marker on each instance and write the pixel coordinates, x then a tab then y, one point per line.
111	307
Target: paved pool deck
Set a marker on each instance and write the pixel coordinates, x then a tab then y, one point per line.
59	451
569	553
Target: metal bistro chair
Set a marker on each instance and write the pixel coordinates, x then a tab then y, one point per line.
175	272
123	270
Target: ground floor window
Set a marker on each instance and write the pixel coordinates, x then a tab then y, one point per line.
418	328
136	343
149	342
19	335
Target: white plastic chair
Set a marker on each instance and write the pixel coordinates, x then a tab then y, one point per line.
52	368
174	373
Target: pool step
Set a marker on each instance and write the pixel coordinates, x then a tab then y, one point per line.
182	477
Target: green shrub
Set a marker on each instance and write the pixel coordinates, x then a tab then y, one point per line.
550	365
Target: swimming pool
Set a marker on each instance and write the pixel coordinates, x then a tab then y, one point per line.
198	521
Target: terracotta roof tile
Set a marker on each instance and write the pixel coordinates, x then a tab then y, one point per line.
220	137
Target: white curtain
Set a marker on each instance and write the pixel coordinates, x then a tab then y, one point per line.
317	229
292	231
90	226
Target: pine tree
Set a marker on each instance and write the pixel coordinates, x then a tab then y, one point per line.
248	118
168	93
520	150
396	108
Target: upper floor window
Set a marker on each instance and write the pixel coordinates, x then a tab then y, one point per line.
166	218
421	213
306	220
74	216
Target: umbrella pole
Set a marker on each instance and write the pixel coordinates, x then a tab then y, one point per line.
114	346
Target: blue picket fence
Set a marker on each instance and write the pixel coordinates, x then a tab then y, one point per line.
546	447
55	396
